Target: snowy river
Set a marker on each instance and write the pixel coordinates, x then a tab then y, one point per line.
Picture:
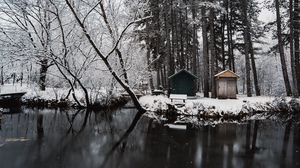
35	138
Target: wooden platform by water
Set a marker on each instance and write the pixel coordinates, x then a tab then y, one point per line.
11	97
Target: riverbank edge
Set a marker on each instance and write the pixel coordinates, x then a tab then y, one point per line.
280	108
65	103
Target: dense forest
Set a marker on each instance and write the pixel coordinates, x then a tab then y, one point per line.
206	37
110	43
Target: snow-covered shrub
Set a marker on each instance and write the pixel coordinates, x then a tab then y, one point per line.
280	105
155	103
295	105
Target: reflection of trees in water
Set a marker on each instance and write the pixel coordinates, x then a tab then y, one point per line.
53	146
58	145
250	148
70	119
251	141
39	126
65	135
296	147
122	139
217	145
53	133
285	144
267	139
40	136
168	147
286	139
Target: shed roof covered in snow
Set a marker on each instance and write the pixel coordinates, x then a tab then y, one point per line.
227	74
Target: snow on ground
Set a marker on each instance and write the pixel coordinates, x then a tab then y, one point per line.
9	88
33	92
193	106
231	105
155	103
151	103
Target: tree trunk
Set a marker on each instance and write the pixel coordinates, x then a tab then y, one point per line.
195	37
246	34
2	76
122	63
183	63
292	54
43	73
21	78
14	78
187	39
212	53
281	50
172	44
223	42
165	77
205	54
149	67
229	37
296	40
256	86
170	56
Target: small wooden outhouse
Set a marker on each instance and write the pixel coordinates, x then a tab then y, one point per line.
183	82
226	84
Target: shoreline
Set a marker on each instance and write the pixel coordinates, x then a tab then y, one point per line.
243	108
58	97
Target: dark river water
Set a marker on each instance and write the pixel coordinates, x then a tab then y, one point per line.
32	138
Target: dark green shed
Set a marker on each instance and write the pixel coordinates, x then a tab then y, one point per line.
183	82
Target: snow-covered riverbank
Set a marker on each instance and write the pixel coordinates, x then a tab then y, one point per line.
58	96
218	108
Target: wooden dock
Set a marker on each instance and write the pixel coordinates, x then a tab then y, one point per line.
11	97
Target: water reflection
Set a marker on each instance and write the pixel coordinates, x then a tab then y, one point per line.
123	138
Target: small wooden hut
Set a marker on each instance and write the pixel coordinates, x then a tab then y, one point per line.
226	84
183	82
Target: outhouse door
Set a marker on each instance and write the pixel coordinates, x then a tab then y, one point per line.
222	88
231	88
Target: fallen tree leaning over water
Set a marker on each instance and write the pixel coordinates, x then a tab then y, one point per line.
103	57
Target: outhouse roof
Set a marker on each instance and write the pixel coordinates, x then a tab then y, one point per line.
227	74
183	71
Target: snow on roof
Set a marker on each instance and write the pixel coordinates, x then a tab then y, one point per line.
227	73
183	70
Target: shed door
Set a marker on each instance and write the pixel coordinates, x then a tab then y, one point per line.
222	88
231	88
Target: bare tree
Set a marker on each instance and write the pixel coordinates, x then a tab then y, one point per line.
32	18
105	58
114	39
